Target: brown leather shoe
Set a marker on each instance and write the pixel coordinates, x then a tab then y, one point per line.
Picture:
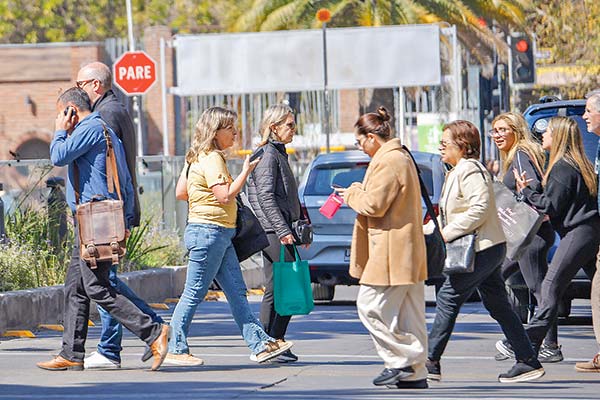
61	364
159	348
589	366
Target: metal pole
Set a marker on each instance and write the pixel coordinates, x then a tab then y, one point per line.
402	102
325	90
163	84
137	100
456	54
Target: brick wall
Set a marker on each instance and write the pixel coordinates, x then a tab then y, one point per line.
31	77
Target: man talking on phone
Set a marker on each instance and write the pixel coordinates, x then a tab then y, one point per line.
79	142
96	80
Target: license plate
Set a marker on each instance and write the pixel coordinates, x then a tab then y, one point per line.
347	255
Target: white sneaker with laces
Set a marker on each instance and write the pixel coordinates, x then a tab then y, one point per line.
98	361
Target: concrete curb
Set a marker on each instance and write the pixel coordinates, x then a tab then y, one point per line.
26	309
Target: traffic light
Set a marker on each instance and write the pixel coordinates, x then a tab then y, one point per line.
522	61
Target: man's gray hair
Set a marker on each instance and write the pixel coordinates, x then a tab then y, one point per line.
594	100
78	97
99	71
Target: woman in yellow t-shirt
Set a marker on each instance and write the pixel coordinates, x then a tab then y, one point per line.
211	195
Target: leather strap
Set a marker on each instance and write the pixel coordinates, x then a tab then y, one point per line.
424	193
112	172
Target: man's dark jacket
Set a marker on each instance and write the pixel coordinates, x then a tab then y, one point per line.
273	192
115	114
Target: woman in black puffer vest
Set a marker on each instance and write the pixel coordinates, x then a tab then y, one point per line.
273	194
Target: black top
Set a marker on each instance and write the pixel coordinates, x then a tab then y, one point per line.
273	192
115	114
522	162
565	199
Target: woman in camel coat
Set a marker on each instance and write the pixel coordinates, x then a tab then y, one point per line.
388	253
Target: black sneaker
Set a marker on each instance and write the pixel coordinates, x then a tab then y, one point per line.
147	354
418	384
505	348
390	376
434	370
286	357
550	353
523	371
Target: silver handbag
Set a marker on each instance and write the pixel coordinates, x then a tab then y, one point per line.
460	255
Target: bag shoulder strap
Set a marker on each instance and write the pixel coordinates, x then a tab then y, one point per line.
424	193
112	172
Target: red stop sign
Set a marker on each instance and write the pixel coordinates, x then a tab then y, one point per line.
134	72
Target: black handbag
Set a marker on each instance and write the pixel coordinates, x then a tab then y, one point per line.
302	231
460	255
434	242
250	238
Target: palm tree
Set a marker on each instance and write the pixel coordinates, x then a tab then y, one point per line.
467	15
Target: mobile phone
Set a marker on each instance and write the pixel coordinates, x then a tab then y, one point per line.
259	152
73	111
336	186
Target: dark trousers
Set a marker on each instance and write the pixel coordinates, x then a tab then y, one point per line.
275	325
578	248
534	266
83	284
459	287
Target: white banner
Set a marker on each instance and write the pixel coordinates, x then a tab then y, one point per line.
407	55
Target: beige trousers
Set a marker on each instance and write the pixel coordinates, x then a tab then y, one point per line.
595	302
395	318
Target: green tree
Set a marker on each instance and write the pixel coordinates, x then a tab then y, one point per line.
38	21
570	30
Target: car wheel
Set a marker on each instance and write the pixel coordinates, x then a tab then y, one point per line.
519	300
323	292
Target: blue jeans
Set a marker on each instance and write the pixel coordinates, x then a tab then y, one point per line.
212	256
487	281
112	330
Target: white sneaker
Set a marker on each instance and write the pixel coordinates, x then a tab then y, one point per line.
98	361
253	357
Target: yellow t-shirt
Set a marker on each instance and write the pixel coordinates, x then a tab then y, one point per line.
204	208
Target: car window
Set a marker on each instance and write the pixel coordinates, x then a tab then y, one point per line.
322	177
427	176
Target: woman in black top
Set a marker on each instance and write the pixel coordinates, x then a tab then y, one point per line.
273	194
520	151
570	200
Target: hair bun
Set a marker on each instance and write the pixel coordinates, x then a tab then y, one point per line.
383	113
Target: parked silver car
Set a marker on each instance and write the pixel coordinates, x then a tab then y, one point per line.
329	254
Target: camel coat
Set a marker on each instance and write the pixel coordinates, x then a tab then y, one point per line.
388	246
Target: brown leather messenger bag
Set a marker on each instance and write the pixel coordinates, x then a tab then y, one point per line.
101	223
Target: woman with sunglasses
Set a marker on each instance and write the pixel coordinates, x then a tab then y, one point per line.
467	206
520	151
273	194
569	198
391	300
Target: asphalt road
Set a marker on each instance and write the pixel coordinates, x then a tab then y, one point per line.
337	361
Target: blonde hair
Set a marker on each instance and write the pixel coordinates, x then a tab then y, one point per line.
523	141
274	115
567	145
211	120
